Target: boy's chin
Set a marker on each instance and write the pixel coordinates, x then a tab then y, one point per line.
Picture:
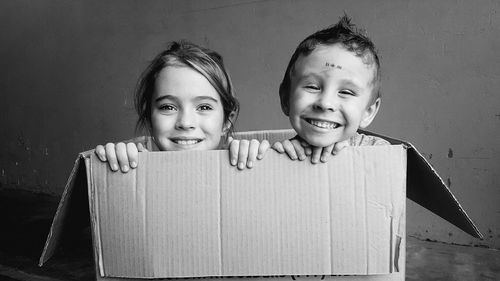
320	141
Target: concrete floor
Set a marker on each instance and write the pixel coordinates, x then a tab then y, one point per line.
26	218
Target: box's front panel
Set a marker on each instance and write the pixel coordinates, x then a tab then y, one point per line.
193	215
119	208
275	219
182	214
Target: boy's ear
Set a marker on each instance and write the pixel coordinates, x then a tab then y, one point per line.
370	114
284	99
229	123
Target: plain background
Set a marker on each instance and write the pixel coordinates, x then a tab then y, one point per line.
68	70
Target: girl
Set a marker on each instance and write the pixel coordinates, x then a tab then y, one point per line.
185	100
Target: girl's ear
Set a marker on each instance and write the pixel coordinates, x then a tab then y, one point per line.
370	114
229	122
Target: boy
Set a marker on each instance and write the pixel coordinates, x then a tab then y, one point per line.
330	89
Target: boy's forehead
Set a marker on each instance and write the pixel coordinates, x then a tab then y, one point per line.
328	58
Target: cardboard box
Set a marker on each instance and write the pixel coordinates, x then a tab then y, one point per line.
190	214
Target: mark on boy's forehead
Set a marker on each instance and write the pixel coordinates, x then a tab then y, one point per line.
332	65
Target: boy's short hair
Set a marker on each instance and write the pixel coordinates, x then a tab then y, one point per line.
344	33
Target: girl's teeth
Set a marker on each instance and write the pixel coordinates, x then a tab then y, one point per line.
324	124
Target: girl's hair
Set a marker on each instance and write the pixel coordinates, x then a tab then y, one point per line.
205	61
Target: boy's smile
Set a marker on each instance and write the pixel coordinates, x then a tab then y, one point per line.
331	95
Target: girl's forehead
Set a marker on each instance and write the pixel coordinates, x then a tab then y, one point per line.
184	83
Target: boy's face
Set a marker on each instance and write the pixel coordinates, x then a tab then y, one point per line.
331	95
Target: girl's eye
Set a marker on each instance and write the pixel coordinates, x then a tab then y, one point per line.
312	87
167	107
204	107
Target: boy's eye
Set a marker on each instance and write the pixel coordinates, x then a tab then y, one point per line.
204	107
167	107
347	92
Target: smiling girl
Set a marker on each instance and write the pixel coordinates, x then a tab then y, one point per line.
185	99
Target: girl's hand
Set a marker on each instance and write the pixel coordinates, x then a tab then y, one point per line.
299	149
120	155
245	153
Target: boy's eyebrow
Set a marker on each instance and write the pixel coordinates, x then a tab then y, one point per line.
351	83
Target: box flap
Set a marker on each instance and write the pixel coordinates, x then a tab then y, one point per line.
426	188
280	218
72	213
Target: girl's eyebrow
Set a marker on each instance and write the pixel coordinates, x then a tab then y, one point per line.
199	98
170	97
176	99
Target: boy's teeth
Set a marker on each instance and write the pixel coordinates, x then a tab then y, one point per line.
324	124
186	142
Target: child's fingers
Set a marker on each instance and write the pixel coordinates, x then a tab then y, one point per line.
132	154
339	146
121	156
253	150
234	147
316	154
263	147
325	154
308	150
141	148
307	147
278	146
299	150
101	153
290	149
111	156
243	154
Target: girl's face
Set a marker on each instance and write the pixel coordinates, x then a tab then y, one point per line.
186	111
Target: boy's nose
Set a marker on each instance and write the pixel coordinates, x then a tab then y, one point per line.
326	102
185	121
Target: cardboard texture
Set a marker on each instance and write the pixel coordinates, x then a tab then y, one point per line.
190	214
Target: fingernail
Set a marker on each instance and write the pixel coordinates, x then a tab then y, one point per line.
259	156
241	165
133	164
125	168
250	164
233	162
323	159
114	167
302	158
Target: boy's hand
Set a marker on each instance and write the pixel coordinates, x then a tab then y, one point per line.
294	148
244	153
120	155
297	148
323	153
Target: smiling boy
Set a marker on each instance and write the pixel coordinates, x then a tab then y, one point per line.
331	88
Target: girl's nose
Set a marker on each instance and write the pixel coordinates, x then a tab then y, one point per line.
185	121
326	102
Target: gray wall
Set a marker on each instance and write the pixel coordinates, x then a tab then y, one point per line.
69	69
